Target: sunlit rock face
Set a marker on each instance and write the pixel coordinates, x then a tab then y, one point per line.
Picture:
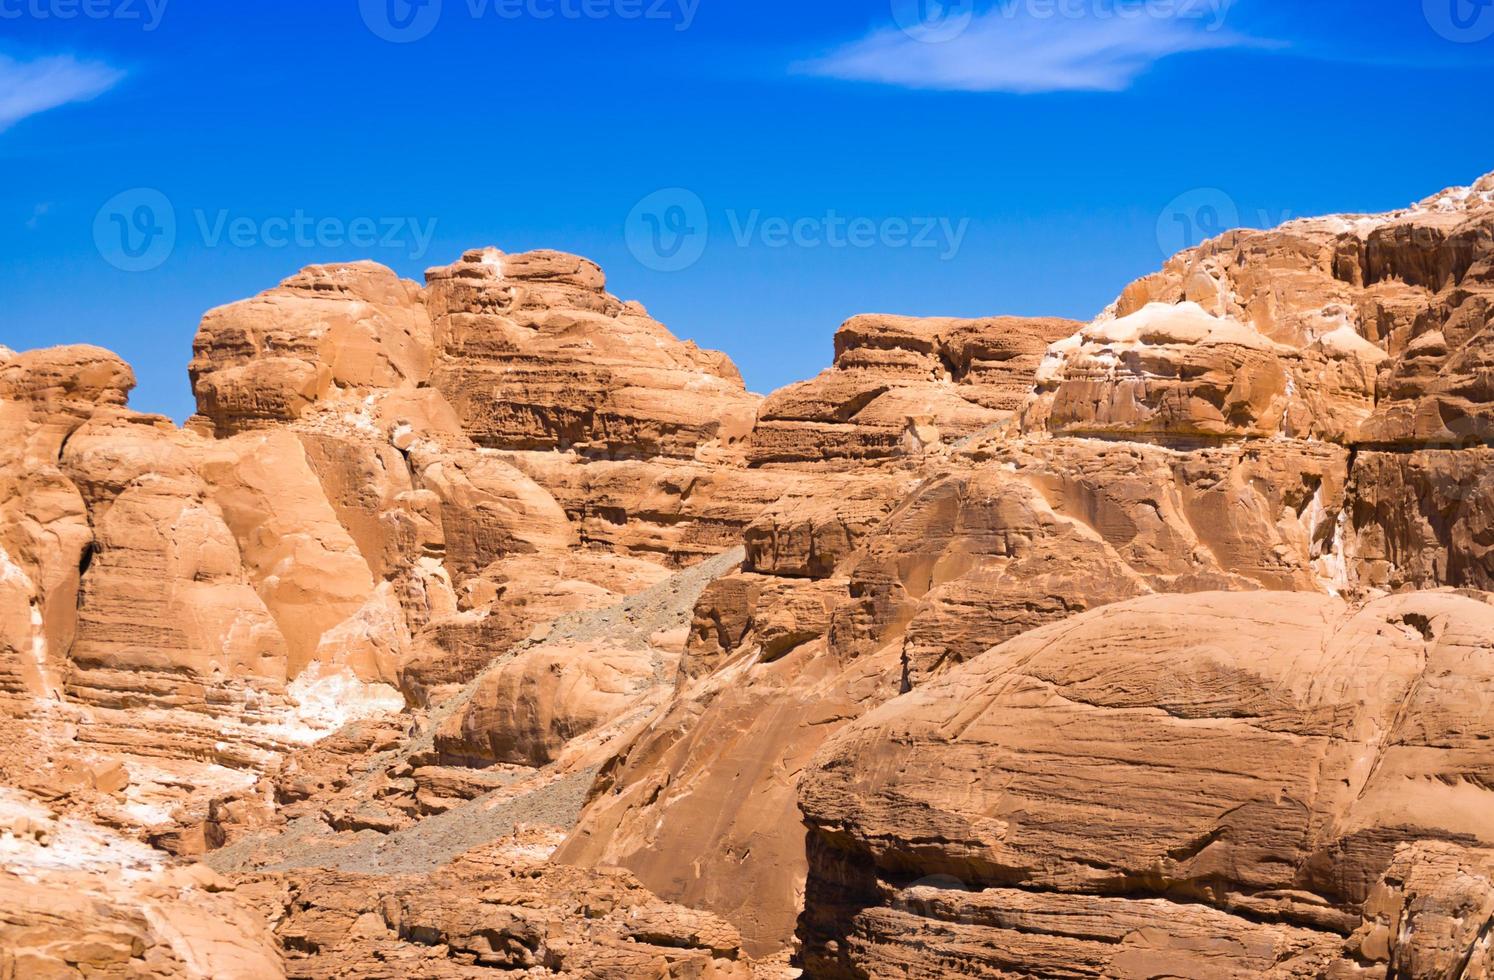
536	354
483	625
905	383
1202	783
1206	433
333	543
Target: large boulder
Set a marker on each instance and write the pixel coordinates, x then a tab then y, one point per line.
1262	760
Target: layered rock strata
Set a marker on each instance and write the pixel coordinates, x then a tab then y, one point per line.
434	565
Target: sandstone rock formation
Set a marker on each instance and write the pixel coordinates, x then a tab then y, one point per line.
501	908
485	627
77	901
535	354
902	383
328	329
1182	759
1201	435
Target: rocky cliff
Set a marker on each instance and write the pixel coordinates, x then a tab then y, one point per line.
484	626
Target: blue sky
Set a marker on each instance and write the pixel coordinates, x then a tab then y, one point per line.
753	171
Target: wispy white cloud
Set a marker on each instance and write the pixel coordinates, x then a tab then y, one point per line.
1032	46
30	87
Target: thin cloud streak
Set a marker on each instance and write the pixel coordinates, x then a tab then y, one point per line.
1008	50
31	87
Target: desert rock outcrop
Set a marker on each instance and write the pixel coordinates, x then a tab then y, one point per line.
1225	755
483	626
535	354
905	384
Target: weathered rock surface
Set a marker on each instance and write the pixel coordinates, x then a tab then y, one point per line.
905	385
1227	394
1263	760
974	555
536	354
185	610
1178	373
326	330
1115	641
77	900
1368	331
500	909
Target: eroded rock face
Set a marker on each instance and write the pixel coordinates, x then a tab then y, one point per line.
1429	914
1423	517
500	909
186	610
435	564
990	545
77	900
1257	759
326	330
904	385
1367	331
535	354
1178	373
1204	434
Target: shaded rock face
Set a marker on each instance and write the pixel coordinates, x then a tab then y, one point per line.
1366	331
979	550
1129	648
186	609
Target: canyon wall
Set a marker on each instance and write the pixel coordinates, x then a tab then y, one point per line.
486	626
